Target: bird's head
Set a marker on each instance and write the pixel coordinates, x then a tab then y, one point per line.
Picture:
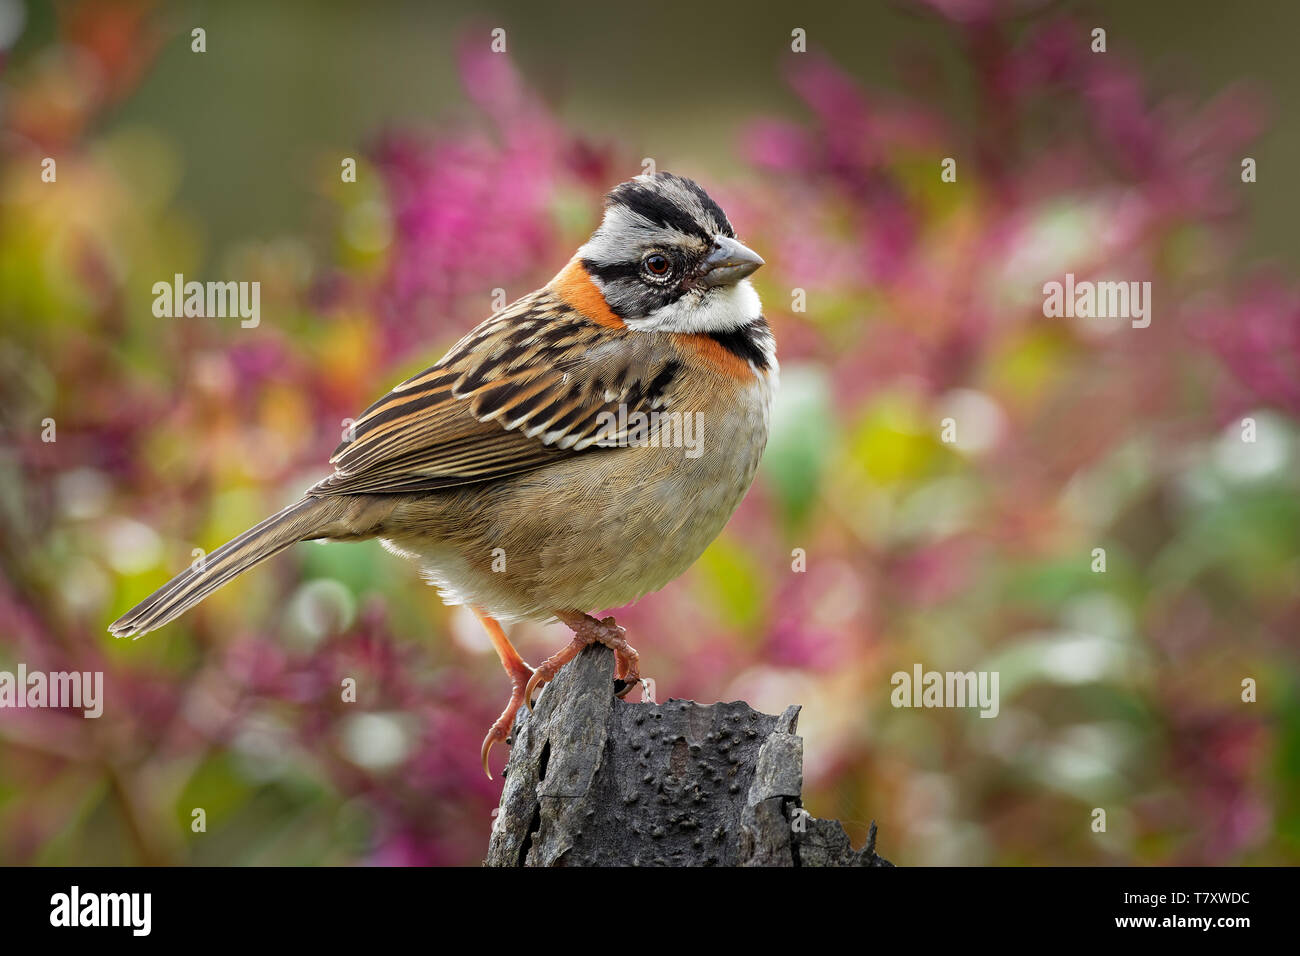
665	259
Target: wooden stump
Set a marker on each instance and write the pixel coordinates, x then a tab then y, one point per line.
595	781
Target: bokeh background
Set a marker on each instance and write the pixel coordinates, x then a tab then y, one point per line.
478	171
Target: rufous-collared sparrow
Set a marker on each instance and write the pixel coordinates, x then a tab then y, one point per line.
576	450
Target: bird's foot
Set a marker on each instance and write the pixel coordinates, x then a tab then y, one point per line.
627	662
588	630
500	731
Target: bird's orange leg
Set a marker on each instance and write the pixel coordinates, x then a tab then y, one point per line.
519	673
587	630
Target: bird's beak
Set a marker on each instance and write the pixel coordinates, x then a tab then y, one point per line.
728	262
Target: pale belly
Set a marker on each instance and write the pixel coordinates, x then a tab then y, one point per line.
590	533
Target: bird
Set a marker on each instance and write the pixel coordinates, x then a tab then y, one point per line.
577	450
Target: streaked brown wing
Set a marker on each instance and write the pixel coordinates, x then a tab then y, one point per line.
525	388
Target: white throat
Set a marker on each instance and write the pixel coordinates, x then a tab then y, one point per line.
705	310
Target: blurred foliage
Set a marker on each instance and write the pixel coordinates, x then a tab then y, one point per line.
1119	690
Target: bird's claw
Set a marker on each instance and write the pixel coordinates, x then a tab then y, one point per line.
533	681
548	668
495	735
500	731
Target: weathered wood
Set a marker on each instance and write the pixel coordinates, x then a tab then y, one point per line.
595	781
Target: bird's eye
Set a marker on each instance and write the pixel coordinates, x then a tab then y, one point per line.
656	264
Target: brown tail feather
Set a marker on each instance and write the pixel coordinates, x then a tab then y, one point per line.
306	519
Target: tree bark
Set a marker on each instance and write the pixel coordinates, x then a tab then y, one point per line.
595	781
